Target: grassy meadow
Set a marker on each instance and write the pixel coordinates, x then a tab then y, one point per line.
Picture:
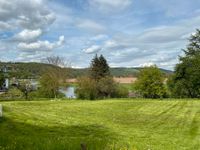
101	125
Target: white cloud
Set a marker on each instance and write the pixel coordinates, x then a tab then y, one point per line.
28	35
92	49
31	18
27	14
148	64
41	45
32	57
111	44
162	34
90	26
159	45
61	41
110	5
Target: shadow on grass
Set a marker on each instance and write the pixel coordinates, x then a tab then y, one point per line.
24	136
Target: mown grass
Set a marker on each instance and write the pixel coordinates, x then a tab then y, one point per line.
104	125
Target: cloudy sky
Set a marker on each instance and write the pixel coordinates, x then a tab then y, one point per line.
129	33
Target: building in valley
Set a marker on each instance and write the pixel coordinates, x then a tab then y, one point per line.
4	76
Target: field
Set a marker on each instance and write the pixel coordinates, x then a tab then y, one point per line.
104	125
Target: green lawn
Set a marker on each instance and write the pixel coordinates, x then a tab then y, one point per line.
104	125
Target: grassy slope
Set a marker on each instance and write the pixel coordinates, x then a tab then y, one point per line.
131	124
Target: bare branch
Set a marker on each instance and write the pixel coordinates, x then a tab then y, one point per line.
58	61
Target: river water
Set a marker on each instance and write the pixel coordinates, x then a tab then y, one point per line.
69	92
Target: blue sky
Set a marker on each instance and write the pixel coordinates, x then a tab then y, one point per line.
129	33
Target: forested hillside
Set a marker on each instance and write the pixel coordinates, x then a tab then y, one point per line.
25	70
35	70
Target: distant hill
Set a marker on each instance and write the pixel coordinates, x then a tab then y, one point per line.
117	72
25	70
35	70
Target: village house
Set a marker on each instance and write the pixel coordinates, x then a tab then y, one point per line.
5	85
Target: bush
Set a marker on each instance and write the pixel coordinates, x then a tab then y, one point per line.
150	83
12	93
121	92
60	95
106	87
87	88
34	94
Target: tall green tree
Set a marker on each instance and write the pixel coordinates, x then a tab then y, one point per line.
94	68
104	67
99	68
186	80
150	83
100	84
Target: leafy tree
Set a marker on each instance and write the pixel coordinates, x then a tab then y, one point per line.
106	87
49	84
87	88
54	77
99	68
186	80
94	68
150	83
25	87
